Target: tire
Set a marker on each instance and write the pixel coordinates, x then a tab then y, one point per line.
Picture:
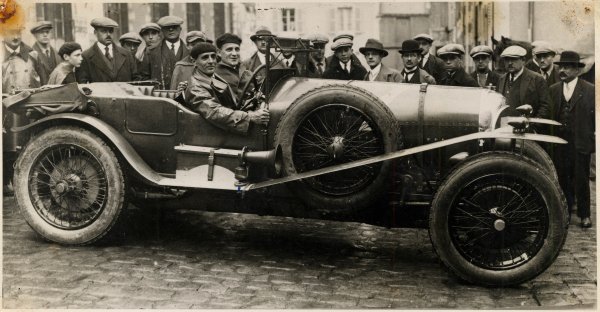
536	153
350	116
477	225
69	186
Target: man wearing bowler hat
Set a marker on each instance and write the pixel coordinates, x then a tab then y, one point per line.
452	54
159	62
260	39
429	62
573	106
485	77
544	54
104	61
374	53
522	86
411	57
48	58
342	65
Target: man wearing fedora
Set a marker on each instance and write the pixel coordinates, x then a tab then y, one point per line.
452	54
374	53
573	106
259	57
483	75
544	54
522	86
104	61
48	58
159	62
429	62
342	65
411	57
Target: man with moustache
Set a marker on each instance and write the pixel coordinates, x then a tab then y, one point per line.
455	75
104	61
411	57
573	105
64	73
230	67
47	56
342	65
485	77
210	95
374	53
317	63
429	62
184	68
544	55
159	62
522	86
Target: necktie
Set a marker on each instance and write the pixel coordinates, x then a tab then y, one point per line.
173	48
346	68
320	67
287	63
48	53
422	63
545	75
107	53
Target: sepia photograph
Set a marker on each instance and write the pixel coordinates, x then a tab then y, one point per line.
298	155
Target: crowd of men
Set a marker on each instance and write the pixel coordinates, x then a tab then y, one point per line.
210	74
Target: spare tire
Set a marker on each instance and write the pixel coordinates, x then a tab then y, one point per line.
331	125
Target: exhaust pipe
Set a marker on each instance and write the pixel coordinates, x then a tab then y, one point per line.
272	159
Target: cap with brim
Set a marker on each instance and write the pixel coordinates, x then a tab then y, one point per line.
426	37
196	35
40	26
373	45
260	33
451	48
104	22
514	52
340	36
570	57
410	46
131	36
319	38
543	49
169	20
481	50
342	42
149	26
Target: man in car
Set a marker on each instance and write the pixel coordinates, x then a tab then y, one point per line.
317	62
47	56
65	71
230	67
104	61
429	62
522	86
374	53
210	95
485	77
544	55
159	62
184	68
342	66
455	75
411	56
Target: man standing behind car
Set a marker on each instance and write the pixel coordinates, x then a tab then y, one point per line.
411	56
48	58
485	77
374	53
455	75
104	61
317	62
544	55
230	67
429	62
342	65
65	71
210	95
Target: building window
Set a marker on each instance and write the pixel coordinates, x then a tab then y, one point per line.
219	19
345	19
193	16
288	19
60	15
159	10
118	12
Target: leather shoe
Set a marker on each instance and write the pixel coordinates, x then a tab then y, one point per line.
586	222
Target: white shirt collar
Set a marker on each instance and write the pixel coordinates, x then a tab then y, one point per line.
261	57
348	65
374	72
425	58
103	47
177	44
517	75
10	50
549	71
569	87
289	60
411	71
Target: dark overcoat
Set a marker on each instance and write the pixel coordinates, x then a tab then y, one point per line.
95	67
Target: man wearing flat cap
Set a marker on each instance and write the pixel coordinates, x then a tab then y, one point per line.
411	57
259	57
151	37
374	53
210	95
544	55
342	66
317	62
532	64
353	58
522	86
573	106
184	68
230	66
104	61
159	62
48	58
452	55
130	41
485	77
429	62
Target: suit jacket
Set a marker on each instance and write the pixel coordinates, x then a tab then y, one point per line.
159	63
460	78
20	71
531	65
335	71
47	65
182	72
533	91
553	77
387	74
435	67
421	76
312	68
492	78
94	66
583	101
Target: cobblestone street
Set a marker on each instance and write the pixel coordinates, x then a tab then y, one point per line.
191	259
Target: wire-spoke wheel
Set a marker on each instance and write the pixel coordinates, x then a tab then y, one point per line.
498	220
69	185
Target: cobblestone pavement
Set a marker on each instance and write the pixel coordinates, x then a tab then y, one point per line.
191	259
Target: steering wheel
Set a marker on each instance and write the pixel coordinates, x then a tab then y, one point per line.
246	94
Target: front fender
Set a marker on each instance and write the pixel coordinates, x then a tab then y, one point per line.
126	150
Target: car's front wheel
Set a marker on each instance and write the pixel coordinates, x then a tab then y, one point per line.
69	186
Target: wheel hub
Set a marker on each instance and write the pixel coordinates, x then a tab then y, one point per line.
336	148
499	225
69	184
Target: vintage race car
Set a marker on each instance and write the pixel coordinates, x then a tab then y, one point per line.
497	215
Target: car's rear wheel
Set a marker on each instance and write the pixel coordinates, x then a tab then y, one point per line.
334	125
69	186
498	220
